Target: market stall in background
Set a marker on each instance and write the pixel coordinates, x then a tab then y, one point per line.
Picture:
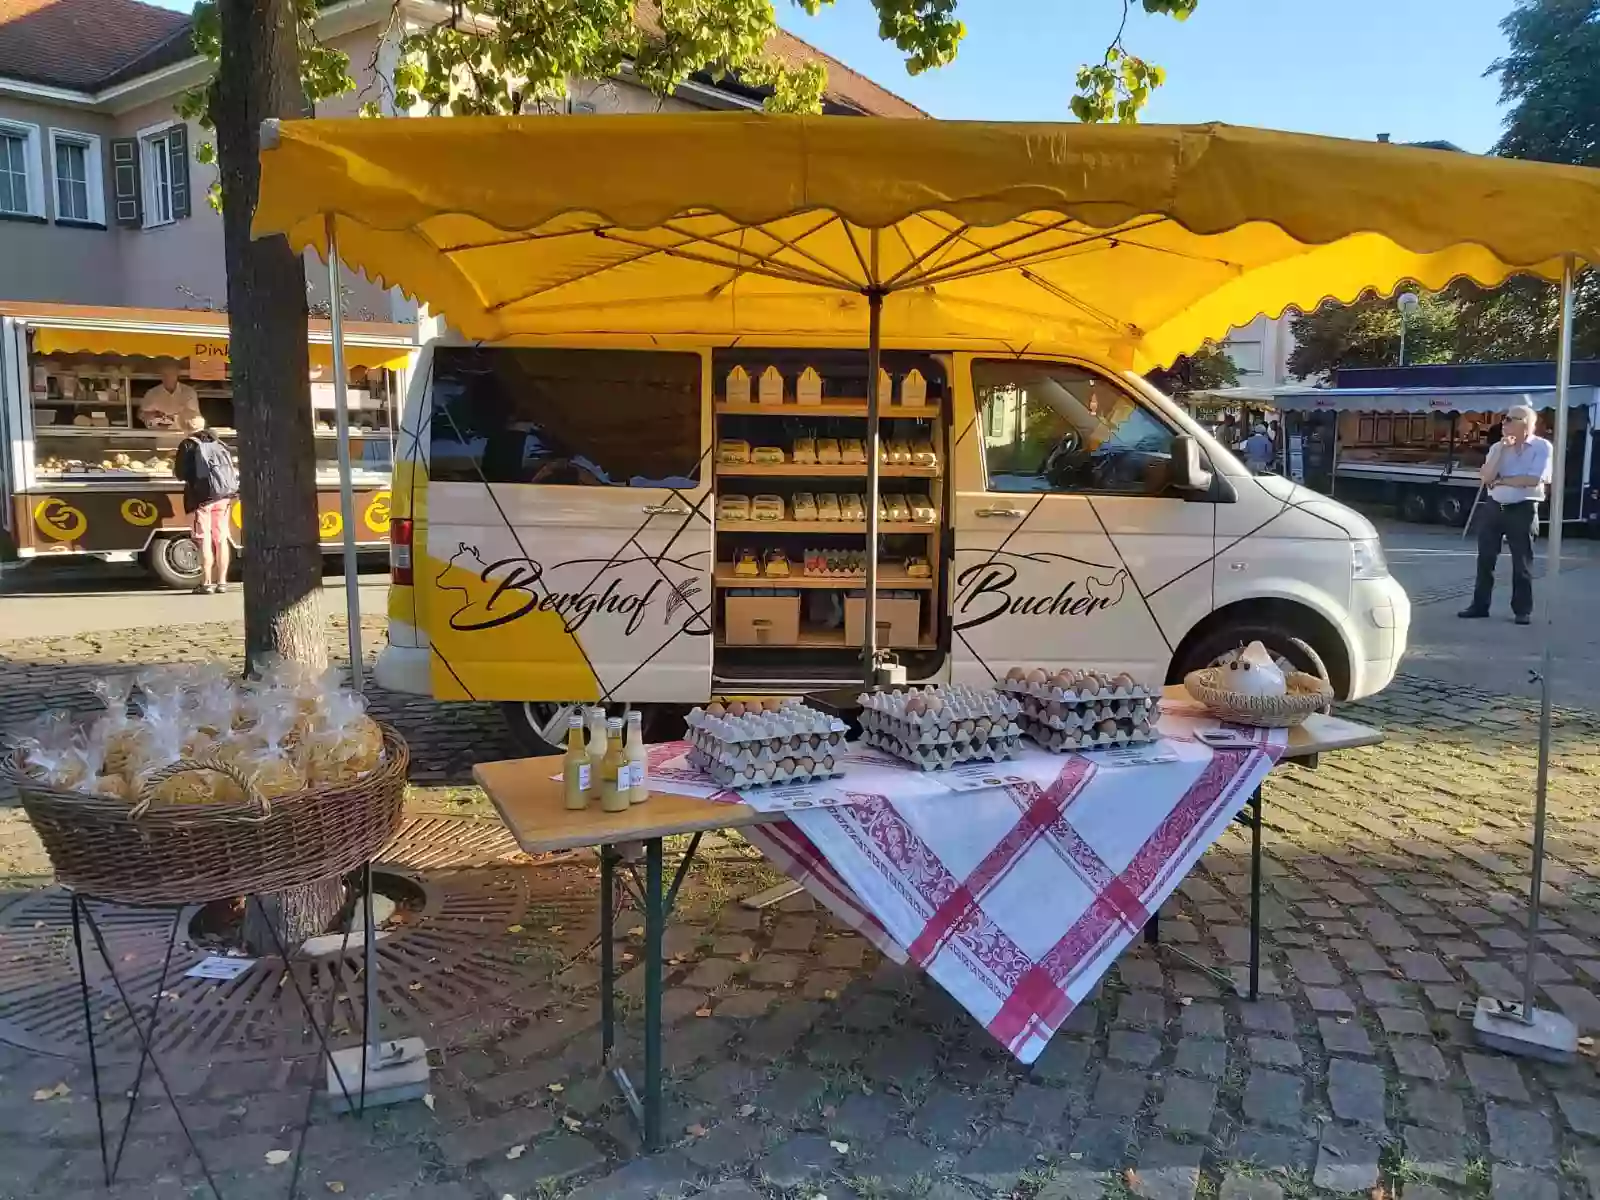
1414	438
93	404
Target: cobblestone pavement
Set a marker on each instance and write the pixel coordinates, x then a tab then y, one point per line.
1396	880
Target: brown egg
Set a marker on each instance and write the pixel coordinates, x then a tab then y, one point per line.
1016	675
736	708
787	765
816	741
1062	679
715	709
1107	727
827	763
1054	708
808	765
1089	685
773	705
1038	675
935	702
750	772
982	726
916	706
1125	680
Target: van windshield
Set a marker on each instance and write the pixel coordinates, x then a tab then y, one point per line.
580	418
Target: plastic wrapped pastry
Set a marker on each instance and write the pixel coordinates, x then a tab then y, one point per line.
923	455
852	507
776	565
733	451
733	508
767	456
896	508
804	505
828	450
921	507
746	565
852	452
766	508
805	450
827	506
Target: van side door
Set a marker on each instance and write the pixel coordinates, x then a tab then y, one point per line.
1071	546
569	552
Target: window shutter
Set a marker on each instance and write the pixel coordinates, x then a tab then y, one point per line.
178	149
125	181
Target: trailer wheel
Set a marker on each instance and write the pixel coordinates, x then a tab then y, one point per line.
1414	507
1451	508
175	561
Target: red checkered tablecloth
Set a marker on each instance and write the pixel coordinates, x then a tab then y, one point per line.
1017	899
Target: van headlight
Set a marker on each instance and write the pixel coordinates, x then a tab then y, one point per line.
1367	561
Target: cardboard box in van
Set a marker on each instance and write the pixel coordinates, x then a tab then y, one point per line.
899	620
762	620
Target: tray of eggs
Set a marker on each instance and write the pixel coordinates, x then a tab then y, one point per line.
1082	710
763	742
937	727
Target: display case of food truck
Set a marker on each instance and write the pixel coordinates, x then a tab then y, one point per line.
88	463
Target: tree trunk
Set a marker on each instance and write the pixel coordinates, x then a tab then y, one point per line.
297	914
259	77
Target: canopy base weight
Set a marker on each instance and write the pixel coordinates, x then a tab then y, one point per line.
1501	1025
397	1071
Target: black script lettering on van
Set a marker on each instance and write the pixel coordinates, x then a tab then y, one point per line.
989	590
518	588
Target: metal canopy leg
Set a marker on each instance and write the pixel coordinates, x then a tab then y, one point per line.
1520	1028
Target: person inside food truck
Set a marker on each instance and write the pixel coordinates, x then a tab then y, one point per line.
171	404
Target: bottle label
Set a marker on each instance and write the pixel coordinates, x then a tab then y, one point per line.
583	777
631	775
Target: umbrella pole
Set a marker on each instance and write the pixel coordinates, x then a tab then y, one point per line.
869	642
1522	1028
347	504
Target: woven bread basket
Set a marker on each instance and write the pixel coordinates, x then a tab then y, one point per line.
143	853
1306	694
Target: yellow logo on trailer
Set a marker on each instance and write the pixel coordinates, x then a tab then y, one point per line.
140	512
376	518
330	525
58	520
237	515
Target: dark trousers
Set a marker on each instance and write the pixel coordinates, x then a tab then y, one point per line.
1513	524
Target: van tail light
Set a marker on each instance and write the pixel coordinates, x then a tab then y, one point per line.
400	551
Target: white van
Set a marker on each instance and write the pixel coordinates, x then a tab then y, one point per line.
658	521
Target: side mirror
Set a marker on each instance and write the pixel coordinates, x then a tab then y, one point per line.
1189	473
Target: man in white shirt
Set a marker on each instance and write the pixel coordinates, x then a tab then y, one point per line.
171	404
1514	476
1257	451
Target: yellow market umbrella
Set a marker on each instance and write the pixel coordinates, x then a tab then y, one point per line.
1132	242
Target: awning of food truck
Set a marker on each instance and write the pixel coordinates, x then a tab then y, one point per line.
179	334
1397	400
1137	241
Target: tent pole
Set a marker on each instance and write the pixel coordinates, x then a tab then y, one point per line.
869	641
347	504
1552	608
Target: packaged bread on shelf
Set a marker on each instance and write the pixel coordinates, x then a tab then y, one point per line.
804	505
828	451
733	508
923	453
766	508
736	389
771	387
733	452
827	506
805	450
767	456
914	389
852	452
808	388
921	506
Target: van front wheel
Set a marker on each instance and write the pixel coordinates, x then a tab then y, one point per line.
537	727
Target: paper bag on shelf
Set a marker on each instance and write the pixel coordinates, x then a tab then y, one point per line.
771	387
885	388
808	388
914	388
737	388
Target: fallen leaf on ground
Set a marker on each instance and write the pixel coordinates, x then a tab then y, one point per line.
335	1186
744	956
627	958
840	1147
1186	1001
1130	1177
513	928
1076	1155
698	1131
747	1110
556	929
556	1089
572	1123
703	1011
60	1089
414	987
829	994
277	1158
428	1100
516	1151
636	931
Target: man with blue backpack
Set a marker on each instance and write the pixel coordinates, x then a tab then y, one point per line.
210	483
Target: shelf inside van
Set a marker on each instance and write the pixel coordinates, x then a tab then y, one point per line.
831	408
884	527
823	470
888	578
815	639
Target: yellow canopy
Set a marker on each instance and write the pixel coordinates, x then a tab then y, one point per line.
1137	242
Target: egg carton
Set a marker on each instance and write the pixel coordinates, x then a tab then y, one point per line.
1065	741
1074	687
1062	715
767	774
940	716
926	757
768	751
770	727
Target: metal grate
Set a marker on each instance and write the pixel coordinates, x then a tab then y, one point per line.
445	970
